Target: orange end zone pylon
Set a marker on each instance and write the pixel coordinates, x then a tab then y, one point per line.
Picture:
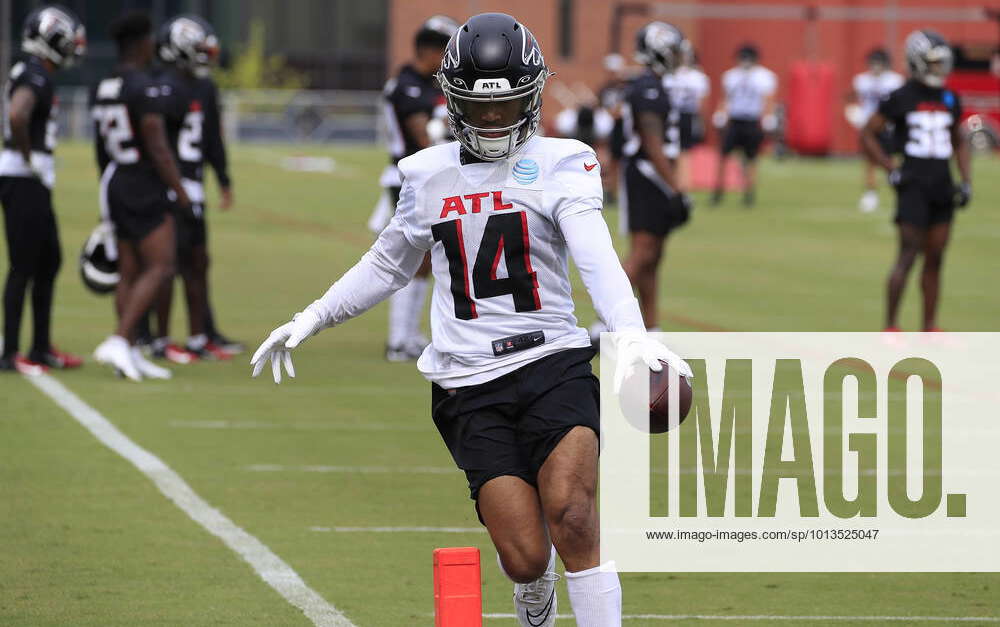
458	588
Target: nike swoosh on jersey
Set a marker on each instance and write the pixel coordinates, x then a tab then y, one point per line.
589	166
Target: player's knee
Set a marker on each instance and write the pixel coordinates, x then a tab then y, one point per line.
575	516
932	262
525	566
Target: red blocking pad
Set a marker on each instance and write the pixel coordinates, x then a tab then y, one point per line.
458	588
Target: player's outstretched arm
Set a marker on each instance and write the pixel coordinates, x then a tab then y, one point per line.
387	266
590	245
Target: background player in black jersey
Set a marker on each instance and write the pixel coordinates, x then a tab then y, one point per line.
926	118
187	46
140	188
414	115
53	38
652	202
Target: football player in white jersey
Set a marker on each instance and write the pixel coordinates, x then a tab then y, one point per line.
745	113
514	398
871	87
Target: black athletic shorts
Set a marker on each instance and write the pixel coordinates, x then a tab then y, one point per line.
30	225
924	203
692	130
508	426
650	205
137	200
191	230
746	135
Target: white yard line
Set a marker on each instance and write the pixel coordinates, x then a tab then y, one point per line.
399	529
271	568
417	470
846	619
293	426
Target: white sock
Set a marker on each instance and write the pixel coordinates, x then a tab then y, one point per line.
596	596
399	312
415	306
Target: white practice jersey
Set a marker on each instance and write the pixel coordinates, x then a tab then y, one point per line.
871	89
746	90
687	86
499	259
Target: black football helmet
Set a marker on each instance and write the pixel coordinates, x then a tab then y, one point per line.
660	47
492	77
99	260
188	42
436	31
54	33
929	57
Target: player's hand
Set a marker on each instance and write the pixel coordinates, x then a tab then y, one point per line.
638	347
963	194
896	178
226	203
183	201
278	346
719	119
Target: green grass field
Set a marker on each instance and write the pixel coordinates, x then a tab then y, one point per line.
85	539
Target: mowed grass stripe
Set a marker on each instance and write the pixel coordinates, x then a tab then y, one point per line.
271	568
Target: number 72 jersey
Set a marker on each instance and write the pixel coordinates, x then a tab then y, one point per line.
118	104
924	119
502	294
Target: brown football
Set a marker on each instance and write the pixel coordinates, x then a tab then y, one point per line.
659	400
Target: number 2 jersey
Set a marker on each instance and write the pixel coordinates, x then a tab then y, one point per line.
32	74
924	119
191	114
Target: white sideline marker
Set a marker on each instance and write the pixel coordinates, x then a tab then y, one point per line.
271	568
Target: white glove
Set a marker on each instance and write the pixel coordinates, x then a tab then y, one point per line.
277	347
638	347
719	119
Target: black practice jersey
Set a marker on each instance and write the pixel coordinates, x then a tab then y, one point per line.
408	93
184	118
213	146
118	103
31	73
924	119
646	93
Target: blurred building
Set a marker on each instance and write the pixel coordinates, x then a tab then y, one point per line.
577	34
334	44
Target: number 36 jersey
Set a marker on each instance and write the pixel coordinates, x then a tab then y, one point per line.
924	118
502	295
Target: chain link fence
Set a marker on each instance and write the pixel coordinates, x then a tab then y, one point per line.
267	116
